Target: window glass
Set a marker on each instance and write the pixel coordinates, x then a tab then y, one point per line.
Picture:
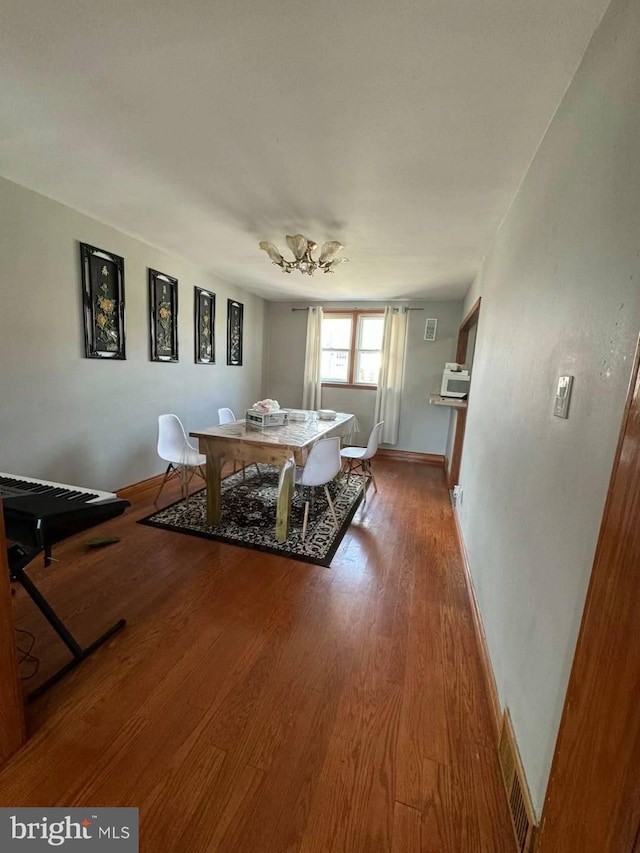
368	368
336	333
371	329
335	366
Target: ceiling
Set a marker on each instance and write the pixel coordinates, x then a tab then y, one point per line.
204	126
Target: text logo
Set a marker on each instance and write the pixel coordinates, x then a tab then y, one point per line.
101	829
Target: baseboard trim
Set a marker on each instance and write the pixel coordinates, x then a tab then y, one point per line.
485	658
411	456
138	490
135	491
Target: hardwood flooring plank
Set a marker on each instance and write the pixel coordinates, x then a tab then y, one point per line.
174	802
407	830
233	814
352	811
468	710
423	733
473	811
306	666
132	764
433	828
276	818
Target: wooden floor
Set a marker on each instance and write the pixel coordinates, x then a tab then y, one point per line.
255	704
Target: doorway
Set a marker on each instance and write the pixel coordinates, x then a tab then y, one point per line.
464	355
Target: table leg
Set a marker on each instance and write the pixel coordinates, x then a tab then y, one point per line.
285	492
214	498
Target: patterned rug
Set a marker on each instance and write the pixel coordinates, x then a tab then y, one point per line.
249	515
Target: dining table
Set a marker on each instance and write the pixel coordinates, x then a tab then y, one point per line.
286	446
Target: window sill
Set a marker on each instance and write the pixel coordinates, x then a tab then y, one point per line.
350	386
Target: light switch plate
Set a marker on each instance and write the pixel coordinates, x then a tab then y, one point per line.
563	395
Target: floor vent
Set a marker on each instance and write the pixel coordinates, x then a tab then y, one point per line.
518	797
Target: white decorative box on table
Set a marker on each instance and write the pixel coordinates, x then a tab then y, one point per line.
266	413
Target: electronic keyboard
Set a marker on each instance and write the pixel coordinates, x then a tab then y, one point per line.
39	513
13	485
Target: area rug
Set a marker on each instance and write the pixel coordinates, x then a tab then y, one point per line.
249	515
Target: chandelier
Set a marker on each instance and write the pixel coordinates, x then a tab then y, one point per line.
302	248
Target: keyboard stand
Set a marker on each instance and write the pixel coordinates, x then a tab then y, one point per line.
19	557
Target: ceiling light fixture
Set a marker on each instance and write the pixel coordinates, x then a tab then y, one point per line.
302	248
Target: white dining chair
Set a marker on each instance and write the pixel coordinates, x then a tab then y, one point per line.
322	465
184	459
359	459
226	416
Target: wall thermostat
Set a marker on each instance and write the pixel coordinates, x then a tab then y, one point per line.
563	395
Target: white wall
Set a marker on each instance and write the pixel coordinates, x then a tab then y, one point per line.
75	420
423	428
560	293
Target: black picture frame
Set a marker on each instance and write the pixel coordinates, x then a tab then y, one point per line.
204	326
102	303
235	316
163	316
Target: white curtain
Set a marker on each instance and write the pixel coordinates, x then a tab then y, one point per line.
391	379
312	389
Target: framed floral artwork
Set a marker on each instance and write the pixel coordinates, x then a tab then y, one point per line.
102	302
235	311
163	316
204	326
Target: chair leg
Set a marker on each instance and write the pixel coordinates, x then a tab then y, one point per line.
184	484
305	520
189	474
331	507
244	471
349	471
373	479
164	480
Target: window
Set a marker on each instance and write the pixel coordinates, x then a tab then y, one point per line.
352	347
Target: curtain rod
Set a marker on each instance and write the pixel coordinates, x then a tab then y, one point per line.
400	308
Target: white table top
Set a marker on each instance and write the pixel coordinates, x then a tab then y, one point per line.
292	434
